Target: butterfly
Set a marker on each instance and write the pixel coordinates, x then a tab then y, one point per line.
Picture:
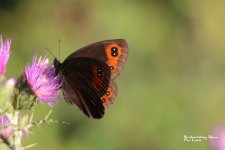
88	75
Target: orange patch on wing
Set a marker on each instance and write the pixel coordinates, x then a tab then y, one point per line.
96	82
113	60
107	99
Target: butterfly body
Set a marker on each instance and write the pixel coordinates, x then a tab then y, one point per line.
87	75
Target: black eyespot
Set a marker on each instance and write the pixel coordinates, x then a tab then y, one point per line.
107	93
114	51
114	54
111	67
99	72
103	100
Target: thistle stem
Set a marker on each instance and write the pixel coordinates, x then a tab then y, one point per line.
17	145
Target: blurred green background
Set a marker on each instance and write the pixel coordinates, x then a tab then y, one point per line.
173	83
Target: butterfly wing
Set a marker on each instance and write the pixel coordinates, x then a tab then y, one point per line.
109	97
85	81
112	52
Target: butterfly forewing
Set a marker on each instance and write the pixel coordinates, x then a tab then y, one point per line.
112	52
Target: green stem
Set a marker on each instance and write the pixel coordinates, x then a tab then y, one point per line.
17	132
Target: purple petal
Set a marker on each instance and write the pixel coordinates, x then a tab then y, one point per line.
4	54
6	133
4	120
42	79
219	142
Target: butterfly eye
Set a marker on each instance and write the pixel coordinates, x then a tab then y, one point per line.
65	73
114	51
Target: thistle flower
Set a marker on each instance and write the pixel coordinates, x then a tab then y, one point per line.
218	143
42	80
4	54
6	131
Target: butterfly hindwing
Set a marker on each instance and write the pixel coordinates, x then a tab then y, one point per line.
112	52
109	97
84	82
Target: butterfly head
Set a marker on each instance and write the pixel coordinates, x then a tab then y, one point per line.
57	65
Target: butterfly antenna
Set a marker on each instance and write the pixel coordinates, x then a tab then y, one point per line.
59	48
50	52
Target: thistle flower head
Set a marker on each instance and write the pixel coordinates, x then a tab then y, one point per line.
5	131
4	120
4	54
42	80
219	142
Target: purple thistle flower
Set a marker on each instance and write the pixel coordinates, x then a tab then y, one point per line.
4	120
7	131
4	54
42	80
218	143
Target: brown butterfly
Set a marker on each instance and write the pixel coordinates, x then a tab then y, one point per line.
88	74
